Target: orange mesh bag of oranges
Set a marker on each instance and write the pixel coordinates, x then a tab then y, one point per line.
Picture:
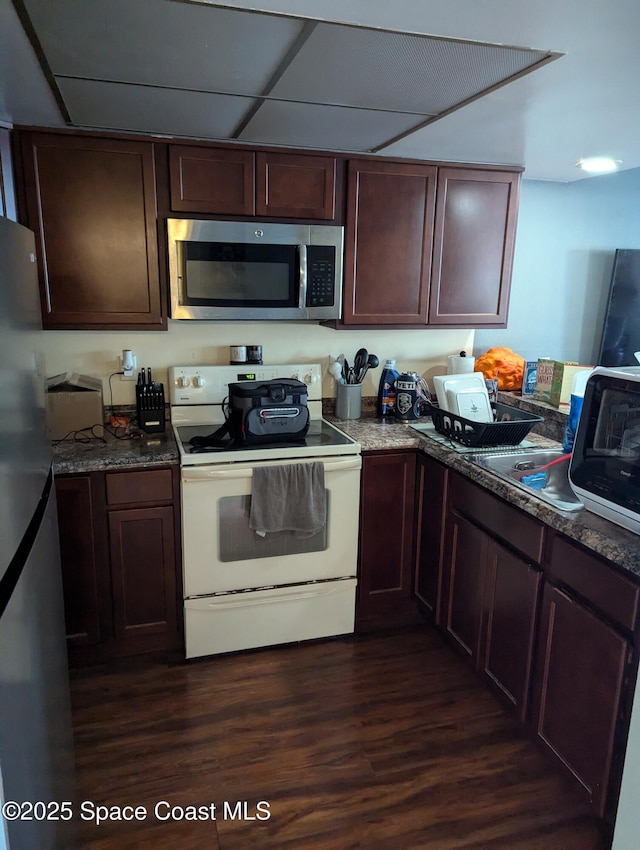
504	365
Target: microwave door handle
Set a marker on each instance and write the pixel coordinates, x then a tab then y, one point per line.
302	294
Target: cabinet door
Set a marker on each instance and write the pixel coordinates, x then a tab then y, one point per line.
216	181
473	247
143	573
293	186
511	598
388	241
91	203
431	497
385	569
465	561
78	550
580	666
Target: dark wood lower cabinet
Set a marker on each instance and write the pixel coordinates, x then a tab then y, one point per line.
79	554
512	587
578	684
431	497
143	571
551	626
464	584
386	551
119	540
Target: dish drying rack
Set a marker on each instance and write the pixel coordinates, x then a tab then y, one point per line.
509	428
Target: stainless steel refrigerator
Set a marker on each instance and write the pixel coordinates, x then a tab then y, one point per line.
36	756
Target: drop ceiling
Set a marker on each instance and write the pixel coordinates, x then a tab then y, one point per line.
399	79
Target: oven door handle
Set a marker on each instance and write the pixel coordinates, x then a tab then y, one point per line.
253	598
228	472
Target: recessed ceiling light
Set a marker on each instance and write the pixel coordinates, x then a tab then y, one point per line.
598	164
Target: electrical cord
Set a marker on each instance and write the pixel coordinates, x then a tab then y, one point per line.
112	375
86	435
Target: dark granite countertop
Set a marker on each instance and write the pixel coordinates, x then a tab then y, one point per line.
73	456
375	433
605	538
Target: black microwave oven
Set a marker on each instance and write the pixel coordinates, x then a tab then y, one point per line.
239	270
604	471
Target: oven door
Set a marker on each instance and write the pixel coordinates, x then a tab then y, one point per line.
605	466
221	553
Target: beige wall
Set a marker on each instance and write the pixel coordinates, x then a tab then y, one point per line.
97	353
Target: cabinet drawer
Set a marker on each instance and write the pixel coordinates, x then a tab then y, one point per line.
511	525
591	577
154	485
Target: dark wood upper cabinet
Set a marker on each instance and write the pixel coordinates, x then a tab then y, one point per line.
388	242
91	202
474	240
214	181
292	186
228	182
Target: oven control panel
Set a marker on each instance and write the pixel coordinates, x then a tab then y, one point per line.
210	384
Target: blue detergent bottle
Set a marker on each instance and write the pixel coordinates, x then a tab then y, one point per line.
387	389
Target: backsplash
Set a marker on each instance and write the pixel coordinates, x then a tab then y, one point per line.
554	419
97	353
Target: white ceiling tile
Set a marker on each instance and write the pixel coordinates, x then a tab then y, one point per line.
25	96
153	110
354	66
162	43
329	127
579	105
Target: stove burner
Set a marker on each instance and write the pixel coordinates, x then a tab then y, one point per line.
211	441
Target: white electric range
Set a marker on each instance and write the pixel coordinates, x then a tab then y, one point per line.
243	591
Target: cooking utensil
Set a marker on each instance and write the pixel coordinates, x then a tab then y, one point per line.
335	370
373	362
360	365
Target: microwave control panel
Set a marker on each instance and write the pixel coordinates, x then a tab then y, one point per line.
321	266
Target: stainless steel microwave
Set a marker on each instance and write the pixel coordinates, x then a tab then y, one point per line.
239	270
605	466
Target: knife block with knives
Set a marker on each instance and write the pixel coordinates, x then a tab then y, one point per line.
150	402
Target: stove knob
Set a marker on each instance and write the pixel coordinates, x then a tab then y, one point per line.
199	381
183	381
310	379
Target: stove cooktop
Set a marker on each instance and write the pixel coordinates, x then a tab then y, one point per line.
322	439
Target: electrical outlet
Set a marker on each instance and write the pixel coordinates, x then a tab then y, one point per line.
128	363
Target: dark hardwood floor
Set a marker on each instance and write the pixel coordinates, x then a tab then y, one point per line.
384	741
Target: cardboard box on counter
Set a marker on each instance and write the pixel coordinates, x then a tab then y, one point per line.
74	402
554	379
529	377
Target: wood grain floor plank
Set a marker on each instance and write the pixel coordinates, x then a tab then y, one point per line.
378	742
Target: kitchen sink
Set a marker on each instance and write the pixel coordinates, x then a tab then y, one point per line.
506	463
